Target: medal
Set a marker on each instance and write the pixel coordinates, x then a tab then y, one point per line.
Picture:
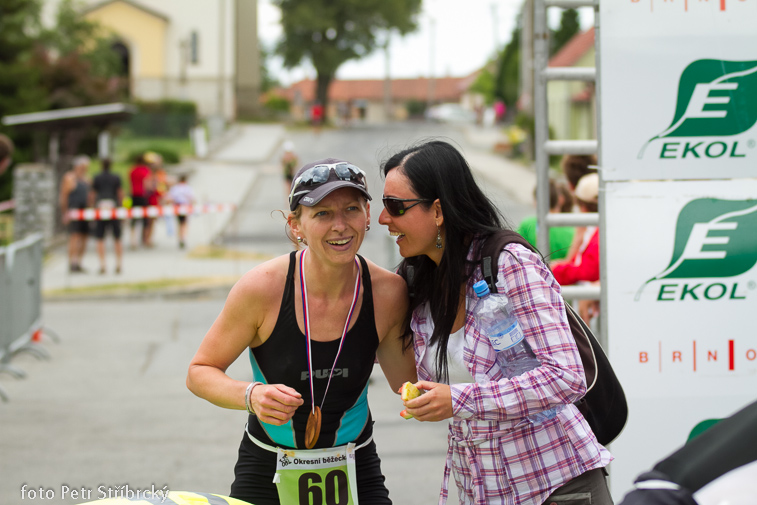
313	427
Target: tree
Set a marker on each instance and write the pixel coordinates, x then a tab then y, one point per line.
19	80
330	32
569	26
19	28
508	70
77	62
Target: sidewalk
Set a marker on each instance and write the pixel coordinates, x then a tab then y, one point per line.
226	177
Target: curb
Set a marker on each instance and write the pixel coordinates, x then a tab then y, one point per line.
175	293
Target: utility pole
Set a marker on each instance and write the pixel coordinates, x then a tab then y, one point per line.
527	57
431	81
221	58
495	27
387	82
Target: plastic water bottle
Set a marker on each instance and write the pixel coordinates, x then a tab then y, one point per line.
513	353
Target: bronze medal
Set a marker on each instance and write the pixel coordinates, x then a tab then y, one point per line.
313	428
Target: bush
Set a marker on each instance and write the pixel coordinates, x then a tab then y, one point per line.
276	103
164	118
170	156
415	108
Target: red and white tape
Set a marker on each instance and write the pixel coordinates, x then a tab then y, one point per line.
150	211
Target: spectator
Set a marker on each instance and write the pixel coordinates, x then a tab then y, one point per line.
74	194
289	162
140	181
181	194
575	166
107	193
155	190
6	153
560	237
584	266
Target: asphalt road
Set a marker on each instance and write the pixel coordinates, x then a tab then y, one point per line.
111	407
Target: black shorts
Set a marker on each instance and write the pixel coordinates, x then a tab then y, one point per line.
139	201
81	227
113	224
182	219
253	476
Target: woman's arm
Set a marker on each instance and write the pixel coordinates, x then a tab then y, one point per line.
390	294
235	329
539	308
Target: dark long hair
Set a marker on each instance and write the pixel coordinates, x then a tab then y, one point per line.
438	170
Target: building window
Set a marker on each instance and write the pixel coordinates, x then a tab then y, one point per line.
194	47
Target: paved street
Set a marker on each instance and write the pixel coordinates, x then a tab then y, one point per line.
111	408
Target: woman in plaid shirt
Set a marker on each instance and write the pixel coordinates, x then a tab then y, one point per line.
497	455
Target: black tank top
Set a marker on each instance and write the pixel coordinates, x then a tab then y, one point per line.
77	198
282	359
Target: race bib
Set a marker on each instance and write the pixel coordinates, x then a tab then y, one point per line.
317	476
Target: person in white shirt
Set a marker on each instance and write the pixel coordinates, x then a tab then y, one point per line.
181	194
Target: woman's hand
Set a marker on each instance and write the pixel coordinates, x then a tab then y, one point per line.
274	403
434	405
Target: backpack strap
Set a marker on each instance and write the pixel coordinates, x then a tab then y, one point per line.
493	245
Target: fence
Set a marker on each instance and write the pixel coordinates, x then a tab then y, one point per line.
20	303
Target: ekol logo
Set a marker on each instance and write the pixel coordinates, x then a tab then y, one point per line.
716	98
714	238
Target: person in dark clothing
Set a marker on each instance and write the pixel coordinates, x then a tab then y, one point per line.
313	322
74	194
718	466
107	193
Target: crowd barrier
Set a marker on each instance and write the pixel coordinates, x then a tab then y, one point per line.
92	214
21	303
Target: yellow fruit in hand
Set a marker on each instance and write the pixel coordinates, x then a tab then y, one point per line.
409	391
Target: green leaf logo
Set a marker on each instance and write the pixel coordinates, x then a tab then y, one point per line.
714	238
715	97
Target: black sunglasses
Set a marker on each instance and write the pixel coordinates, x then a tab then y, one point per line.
320	174
396	206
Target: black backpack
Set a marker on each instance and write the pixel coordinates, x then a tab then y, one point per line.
604	404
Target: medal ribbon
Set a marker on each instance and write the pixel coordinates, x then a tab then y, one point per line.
306	317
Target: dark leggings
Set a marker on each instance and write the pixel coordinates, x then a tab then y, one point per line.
253	476
589	488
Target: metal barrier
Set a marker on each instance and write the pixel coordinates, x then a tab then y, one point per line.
20	303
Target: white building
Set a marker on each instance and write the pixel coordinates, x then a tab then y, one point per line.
203	51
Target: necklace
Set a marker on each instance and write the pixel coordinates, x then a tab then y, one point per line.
313	427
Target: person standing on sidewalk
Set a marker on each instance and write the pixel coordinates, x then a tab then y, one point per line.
313	322
106	194
74	194
140	186
497	453
181	194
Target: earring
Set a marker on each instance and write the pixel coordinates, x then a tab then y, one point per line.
367	227
299	240
438	237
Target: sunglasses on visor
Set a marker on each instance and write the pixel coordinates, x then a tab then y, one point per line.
320	174
396	206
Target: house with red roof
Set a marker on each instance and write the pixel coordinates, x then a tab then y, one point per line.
572	104
364	99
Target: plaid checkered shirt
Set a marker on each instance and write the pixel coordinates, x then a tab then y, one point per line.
495	454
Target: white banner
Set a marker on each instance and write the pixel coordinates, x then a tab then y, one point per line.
681	299
679	89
